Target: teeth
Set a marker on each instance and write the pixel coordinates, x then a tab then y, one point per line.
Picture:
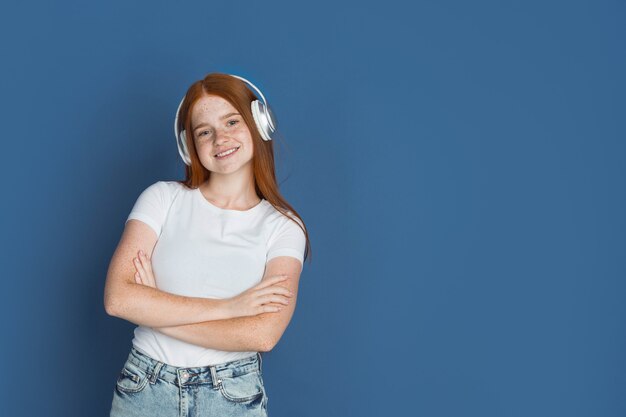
227	152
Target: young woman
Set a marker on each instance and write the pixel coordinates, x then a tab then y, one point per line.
208	267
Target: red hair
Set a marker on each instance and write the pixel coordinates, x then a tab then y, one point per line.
237	93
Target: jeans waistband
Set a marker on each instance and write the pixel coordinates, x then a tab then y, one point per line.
193	375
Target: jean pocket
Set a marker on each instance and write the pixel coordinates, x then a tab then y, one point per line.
242	388
131	379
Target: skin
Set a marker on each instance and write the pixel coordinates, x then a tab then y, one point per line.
231	186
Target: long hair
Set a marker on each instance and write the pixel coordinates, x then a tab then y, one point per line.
240	97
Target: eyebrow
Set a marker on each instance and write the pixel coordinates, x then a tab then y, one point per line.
223	117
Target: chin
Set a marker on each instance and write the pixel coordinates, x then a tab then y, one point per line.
230	168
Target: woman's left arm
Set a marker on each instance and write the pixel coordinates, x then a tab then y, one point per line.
251	333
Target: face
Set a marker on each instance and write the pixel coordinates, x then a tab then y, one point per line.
218	127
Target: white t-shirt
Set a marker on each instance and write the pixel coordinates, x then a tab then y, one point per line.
206	251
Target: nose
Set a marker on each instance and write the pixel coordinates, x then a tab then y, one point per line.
220	136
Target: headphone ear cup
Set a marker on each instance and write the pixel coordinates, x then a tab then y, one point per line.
182	147
263	124
270	117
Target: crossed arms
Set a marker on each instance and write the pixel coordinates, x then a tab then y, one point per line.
195	320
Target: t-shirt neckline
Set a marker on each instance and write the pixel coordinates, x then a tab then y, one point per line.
215	208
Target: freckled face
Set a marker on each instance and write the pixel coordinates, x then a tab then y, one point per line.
218	127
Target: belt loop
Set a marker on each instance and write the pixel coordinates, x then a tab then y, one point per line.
216	381
154	374
260	363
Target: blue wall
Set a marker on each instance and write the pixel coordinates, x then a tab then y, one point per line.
460	166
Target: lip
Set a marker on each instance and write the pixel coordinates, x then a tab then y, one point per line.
231	154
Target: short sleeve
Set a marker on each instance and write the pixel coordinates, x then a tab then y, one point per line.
287	240
151	206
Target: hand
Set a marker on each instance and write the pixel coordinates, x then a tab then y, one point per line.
143	266
256	300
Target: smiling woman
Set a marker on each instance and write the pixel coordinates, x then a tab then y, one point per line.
208	267
222	141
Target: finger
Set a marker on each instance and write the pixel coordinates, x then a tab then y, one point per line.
138	265
146	272
137	278
147	264
270	309
143	275
274	299
277	289
271	281
149	278
145	261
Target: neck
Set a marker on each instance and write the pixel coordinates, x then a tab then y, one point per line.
230	191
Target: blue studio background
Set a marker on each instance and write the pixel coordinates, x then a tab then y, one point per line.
460	167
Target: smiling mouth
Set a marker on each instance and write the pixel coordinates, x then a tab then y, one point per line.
230	152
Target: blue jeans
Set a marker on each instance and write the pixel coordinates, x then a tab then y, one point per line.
148	387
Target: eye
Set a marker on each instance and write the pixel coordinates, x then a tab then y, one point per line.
235	122
203	132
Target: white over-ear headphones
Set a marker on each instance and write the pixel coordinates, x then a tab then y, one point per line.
261	112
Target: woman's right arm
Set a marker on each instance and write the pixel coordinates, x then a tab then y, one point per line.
144	305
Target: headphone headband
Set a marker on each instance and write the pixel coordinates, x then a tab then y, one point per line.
232	75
